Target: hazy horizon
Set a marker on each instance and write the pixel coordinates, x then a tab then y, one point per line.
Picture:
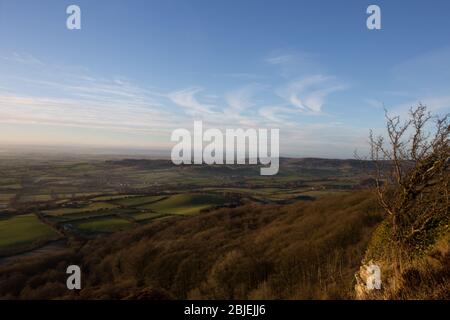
99	151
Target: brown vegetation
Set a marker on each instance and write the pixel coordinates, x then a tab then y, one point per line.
300	251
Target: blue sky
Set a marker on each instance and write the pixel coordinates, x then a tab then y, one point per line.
139	69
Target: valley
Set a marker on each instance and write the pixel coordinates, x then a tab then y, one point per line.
61	199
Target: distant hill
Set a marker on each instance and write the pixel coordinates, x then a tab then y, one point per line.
285	163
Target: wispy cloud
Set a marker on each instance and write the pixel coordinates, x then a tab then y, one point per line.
73	113
242	76
73	97
186	98
23	58
277	115
281	59
241	99
77	98
309	94
292	64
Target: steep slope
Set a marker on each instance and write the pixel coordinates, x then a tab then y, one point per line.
300	251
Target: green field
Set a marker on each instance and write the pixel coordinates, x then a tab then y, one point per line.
148	216
89	208
103	225
110	216
83	215
186	203
24	231
138	200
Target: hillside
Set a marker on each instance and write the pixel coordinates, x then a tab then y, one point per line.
305	250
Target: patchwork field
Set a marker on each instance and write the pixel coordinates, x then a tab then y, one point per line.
96	206
138	200
41	201
186	203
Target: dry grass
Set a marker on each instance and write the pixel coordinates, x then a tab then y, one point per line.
300	251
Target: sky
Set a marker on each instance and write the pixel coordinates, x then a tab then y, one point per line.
137	70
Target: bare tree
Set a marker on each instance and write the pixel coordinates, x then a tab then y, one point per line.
411	174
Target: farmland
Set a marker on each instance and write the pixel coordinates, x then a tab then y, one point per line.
42	201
